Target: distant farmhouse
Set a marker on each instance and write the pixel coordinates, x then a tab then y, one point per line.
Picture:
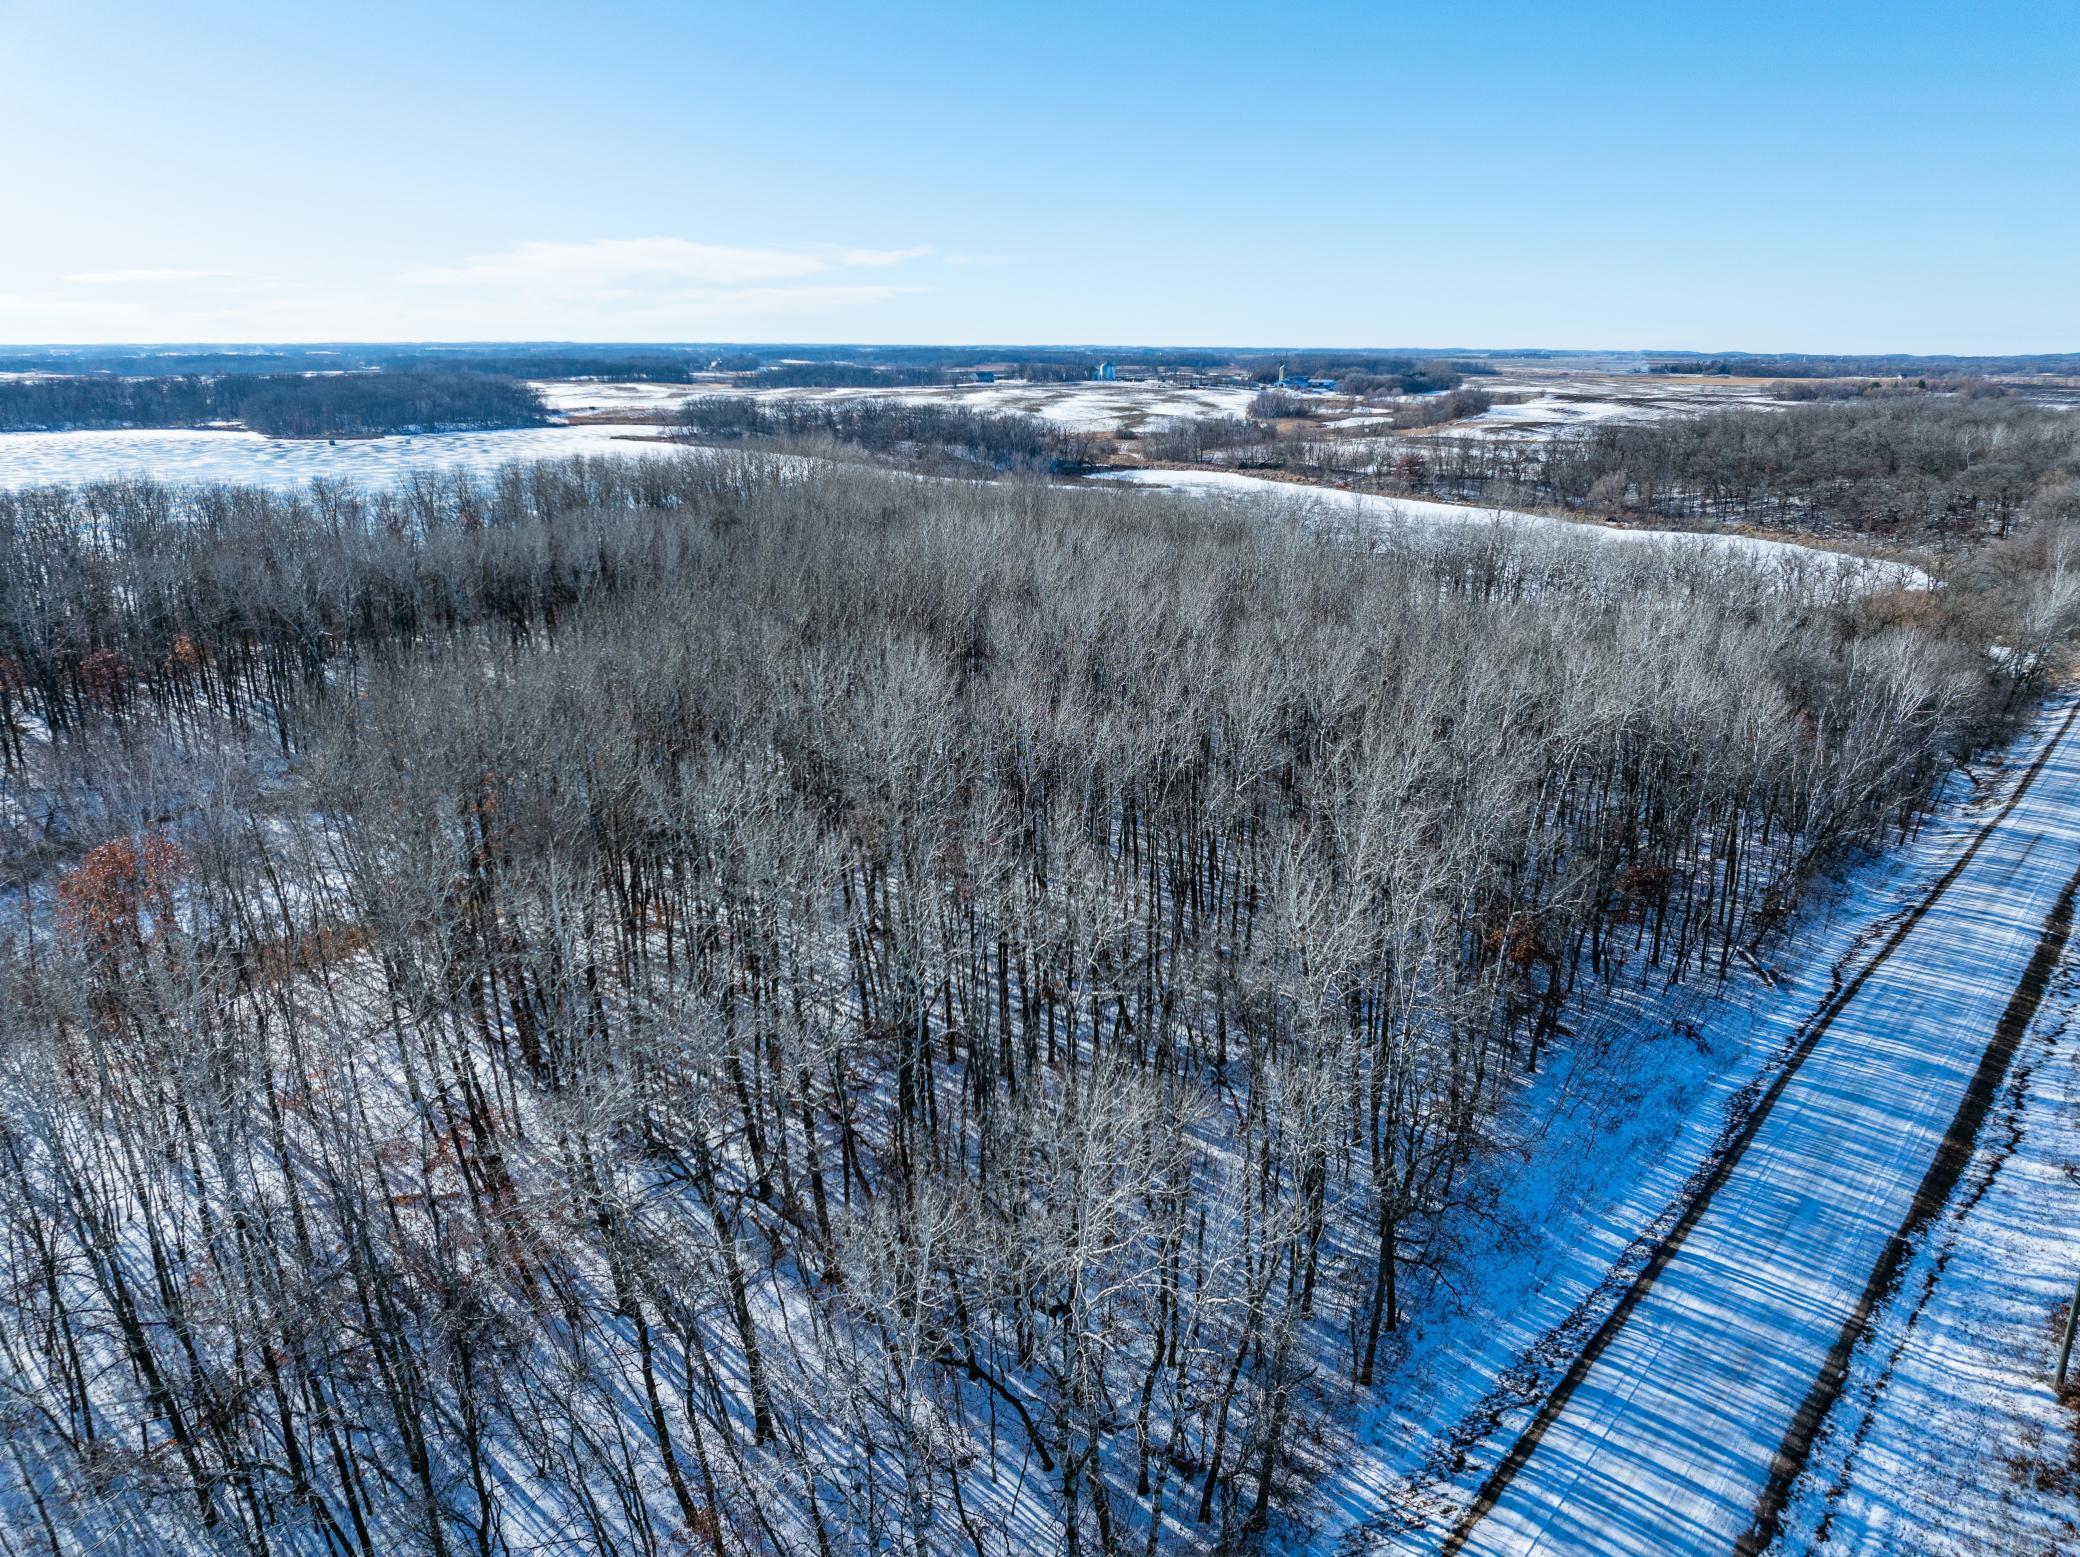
1325	384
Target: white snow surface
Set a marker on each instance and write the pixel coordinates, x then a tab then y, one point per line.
1951	1437
1666	1445
1083	407
1542	405
1418	512
644	397
30	459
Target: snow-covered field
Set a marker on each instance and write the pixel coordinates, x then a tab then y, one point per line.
1543	405
1086	407
635	397
1662	1441
1409	512
282	464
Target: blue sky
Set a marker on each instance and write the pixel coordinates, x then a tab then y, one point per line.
1820	177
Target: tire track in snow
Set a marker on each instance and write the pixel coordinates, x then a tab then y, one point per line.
2017	1089
1953	1153
1797	1441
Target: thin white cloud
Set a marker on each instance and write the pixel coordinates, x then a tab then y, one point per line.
124	278
674	311
649	263
612	289
875	257
779	300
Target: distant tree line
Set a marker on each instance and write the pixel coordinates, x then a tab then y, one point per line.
1435	410
1052	371
1898	366
668	364
1190	439
1839	388
1419	410
1921	467
870	375
865	367
166	362
1272	405
931	433
1361	374
1971	387
57	404
1074	361
278	405
1258	441
535	360
643	367
358	404
839	375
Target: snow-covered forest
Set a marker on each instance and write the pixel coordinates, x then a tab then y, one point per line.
744	1005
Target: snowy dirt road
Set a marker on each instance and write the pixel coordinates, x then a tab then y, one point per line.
1685	1421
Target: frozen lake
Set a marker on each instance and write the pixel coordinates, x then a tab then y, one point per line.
247	459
